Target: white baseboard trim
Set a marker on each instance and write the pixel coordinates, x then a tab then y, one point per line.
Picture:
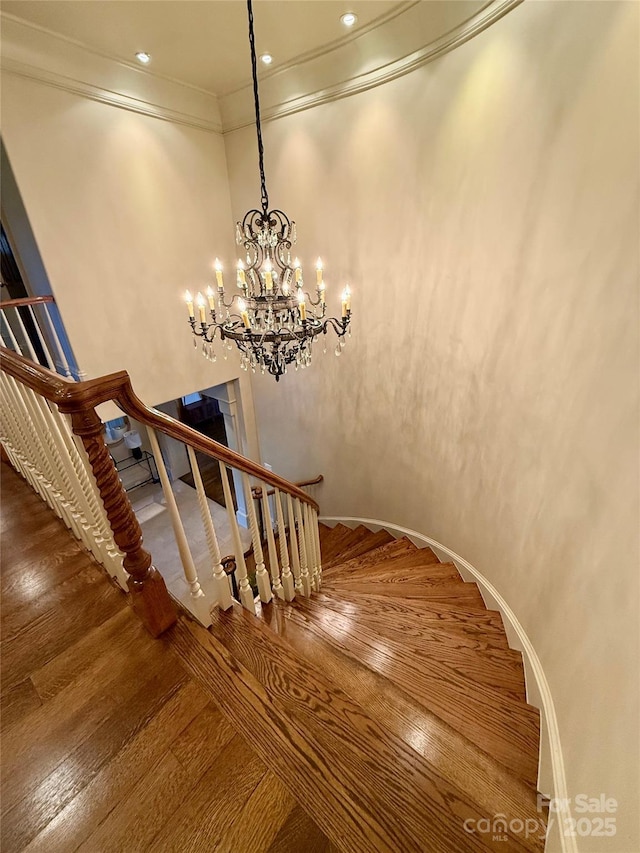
242	518
551	775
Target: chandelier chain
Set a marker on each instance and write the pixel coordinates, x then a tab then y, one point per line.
256	100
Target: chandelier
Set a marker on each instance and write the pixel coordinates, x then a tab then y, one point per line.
272	319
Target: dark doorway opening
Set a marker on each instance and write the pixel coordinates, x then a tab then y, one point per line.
203	414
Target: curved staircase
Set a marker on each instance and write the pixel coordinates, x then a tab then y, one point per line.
389	703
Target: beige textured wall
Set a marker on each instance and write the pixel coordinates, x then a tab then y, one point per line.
128	211
485	210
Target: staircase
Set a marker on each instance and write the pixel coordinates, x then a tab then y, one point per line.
368	678
389	704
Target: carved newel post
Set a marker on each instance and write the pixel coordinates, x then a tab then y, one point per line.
151	601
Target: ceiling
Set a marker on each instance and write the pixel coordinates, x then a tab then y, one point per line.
203	43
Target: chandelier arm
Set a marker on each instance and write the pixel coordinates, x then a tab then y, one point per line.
339	326
256	100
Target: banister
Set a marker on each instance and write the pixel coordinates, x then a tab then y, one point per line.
72	397
26	300
256	491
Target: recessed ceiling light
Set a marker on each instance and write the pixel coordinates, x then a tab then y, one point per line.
349	19
144	58
267	58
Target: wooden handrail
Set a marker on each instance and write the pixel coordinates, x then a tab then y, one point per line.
256	491
76	397
26	300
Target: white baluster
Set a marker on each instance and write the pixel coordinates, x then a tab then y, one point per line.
244	588
47	352
221	581
61	483
13	423
287	577
186	558
304	565
271	543
15	346
84	475
316	533
56	339
32	452
10	435
262	578
27	339
295	556
91	532
311	547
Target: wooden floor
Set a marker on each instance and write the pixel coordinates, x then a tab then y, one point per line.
108	744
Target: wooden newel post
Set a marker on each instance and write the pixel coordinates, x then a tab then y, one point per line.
151	601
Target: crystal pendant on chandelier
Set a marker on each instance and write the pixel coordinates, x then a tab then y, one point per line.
272	319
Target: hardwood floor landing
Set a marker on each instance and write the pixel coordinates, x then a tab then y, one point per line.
108	744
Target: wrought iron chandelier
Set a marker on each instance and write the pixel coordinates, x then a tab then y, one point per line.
272	319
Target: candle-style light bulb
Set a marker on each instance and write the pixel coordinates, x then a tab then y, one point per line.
188	298
268	274
242	279
218	268
302	305
346	301
319	272
211	298
242	307
298	271
201	308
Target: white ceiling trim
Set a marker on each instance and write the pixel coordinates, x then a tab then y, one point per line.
237	110
36	54
118	60
105	96
302	58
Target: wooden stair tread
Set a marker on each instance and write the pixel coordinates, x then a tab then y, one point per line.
456	758
339	537
394	548
360	547
420	605
402	570
383	562
509	729
476	629
417	557
463	594
347	770
500	669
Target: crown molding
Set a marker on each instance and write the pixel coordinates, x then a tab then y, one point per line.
112	57
106	96
330	73
237	109
329	47
41	56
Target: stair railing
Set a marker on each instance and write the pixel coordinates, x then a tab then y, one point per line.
32	327
53	436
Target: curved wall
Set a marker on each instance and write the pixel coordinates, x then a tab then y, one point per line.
485	210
